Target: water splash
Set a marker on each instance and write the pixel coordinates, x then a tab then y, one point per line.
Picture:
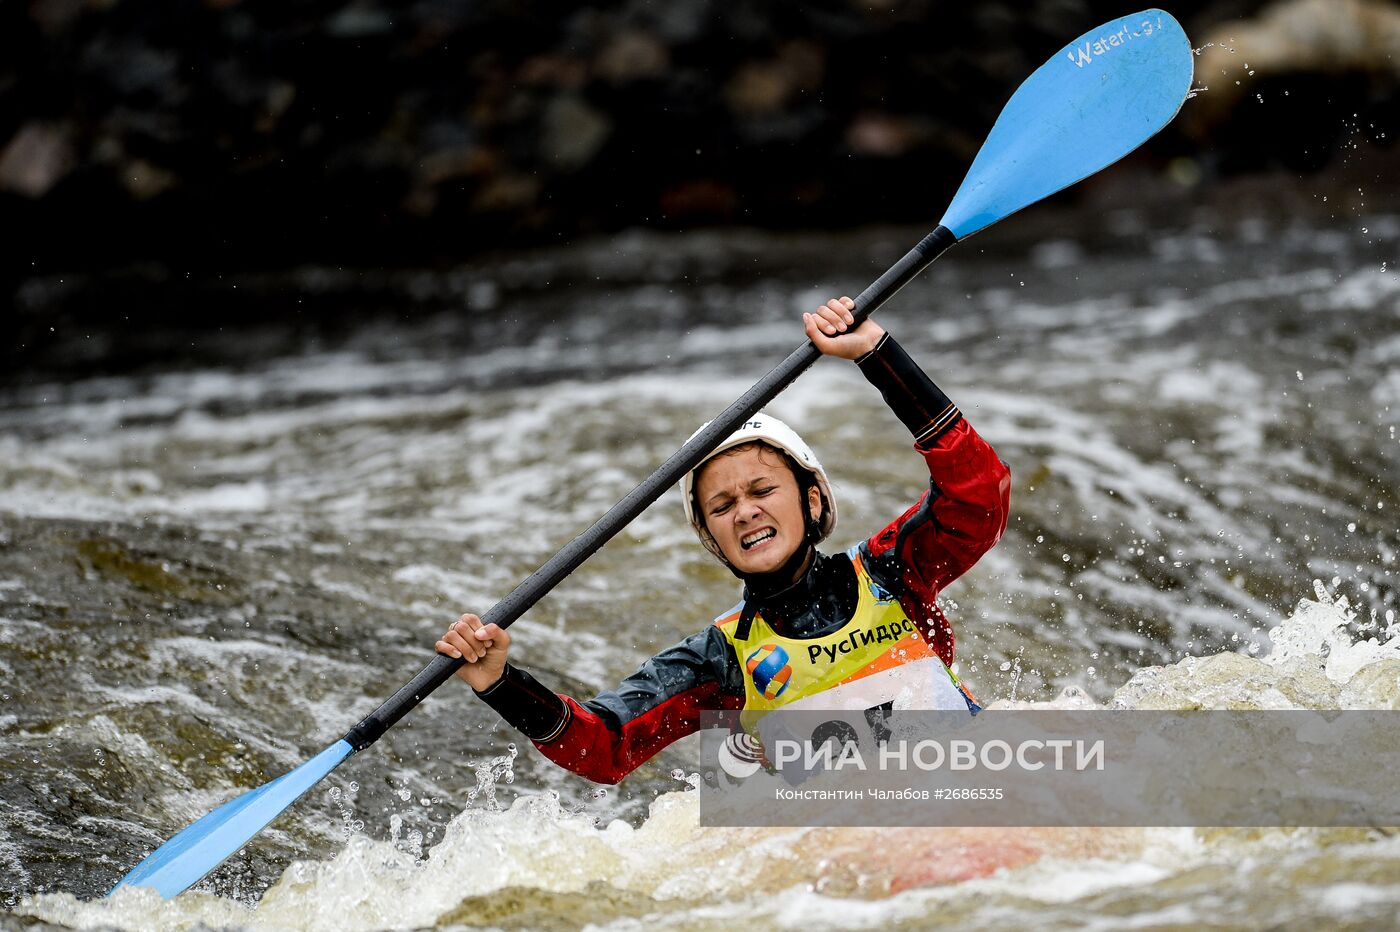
561	862
1318	660
487	774
691	780
344	802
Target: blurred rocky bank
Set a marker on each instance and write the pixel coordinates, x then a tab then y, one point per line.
169	168
217	132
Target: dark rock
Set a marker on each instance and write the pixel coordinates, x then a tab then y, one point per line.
506	193
884	134
1295	82
367	128
767	87
573	132
144	180
557	71
358	20
701	199
36	159
675	22
632	56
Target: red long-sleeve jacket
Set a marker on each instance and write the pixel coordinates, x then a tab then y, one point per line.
959	518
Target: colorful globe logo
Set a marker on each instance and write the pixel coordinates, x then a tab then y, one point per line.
770	670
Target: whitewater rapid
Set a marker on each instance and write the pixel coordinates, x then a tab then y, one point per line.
211	566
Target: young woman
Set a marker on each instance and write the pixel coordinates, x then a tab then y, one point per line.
852	630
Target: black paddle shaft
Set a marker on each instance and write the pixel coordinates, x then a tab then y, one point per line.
540	582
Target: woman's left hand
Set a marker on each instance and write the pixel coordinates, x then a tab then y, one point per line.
828	329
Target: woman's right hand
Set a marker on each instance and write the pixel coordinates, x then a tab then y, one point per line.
483	647
829	329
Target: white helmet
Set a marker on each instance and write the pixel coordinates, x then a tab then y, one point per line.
769	430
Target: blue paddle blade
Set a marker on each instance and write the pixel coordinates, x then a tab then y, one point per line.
1102	96
184	860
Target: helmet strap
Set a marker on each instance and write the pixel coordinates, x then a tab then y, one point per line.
805	484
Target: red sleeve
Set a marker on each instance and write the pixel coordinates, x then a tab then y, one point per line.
949	529
612	734
962	515
589	748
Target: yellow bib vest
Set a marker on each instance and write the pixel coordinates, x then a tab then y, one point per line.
877	658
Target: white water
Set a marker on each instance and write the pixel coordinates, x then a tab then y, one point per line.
490	863
248	557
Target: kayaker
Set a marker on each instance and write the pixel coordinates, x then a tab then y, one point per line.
850	630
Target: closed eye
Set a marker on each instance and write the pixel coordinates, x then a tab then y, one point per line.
759	492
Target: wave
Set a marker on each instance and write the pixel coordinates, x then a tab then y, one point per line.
540	863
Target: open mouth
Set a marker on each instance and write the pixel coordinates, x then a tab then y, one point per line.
756	538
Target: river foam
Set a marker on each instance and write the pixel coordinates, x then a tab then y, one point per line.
507	867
